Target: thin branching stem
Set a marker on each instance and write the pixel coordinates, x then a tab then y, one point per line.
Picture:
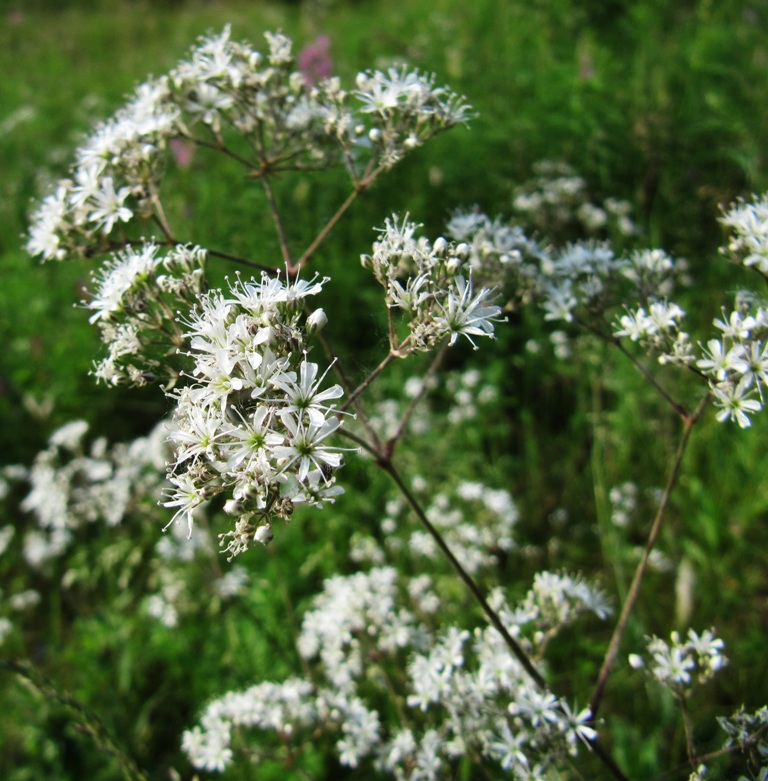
491	614
678	408
688	727
704	758
281	237
634	589
220	147
612	340
346	383
160	217
390	356
273	207
435	365
242	261
360	187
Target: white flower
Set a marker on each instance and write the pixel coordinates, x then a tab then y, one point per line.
124	273
49	222
559	302
749	222
109	205
306	447
720	361
635	324
736	326
465	314
304	396
734	402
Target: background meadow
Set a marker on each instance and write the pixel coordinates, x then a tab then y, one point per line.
661	104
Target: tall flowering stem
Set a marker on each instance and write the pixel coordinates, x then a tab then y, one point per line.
490	613
492	616
634	589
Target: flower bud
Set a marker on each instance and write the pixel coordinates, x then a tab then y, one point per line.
233	507
317	321
263	534
375	135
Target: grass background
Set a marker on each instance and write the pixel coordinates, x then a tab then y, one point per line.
662	103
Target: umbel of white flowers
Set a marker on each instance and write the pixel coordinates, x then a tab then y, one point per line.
586	283
257	109
252	423
255	421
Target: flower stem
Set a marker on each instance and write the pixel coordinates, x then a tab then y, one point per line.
490	613
360	187
435	365
634	589
278	224
368	380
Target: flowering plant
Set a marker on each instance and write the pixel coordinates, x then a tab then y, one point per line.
256	423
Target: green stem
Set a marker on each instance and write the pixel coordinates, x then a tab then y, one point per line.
490	613
360	187
634	589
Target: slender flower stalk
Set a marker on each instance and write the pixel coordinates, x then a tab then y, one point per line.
490	613
634	589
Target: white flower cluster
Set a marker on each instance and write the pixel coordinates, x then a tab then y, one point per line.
556	200
499	253
623	499
134	301
658	331
227	94
466	695
426	281
736	363
584	280
70	488
673	664
255	422
282	707
405	109
585	283
114	178
749	224
555	600
575	282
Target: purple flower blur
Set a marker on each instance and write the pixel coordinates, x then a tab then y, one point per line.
315	61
